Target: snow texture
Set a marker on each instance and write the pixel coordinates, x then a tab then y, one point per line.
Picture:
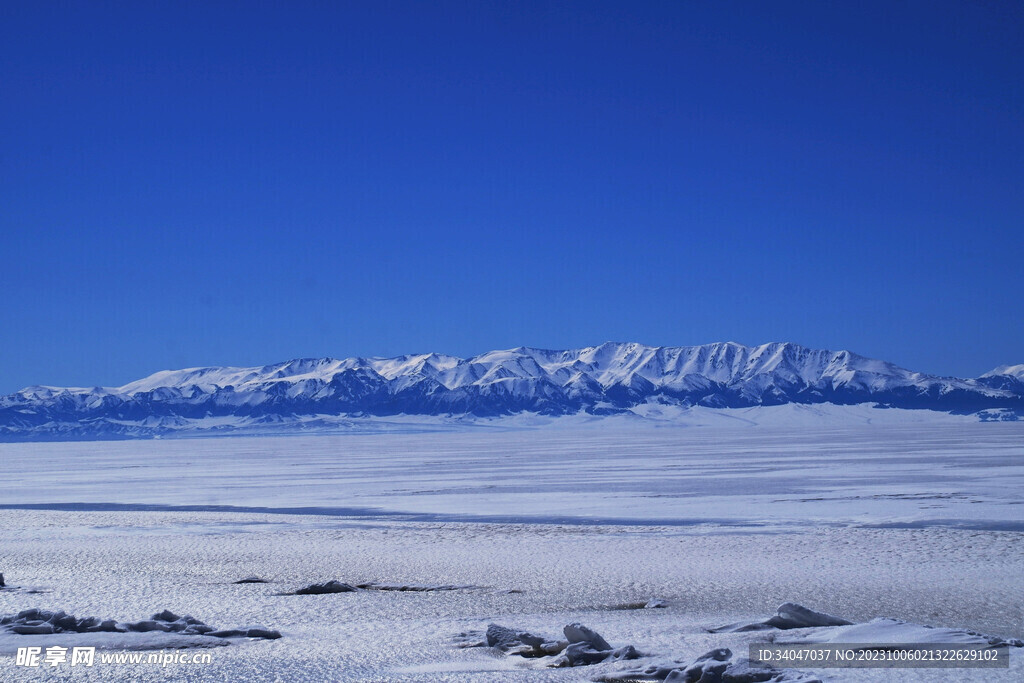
565	573
551	527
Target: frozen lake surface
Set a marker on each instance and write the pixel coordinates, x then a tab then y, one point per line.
965	474
919	522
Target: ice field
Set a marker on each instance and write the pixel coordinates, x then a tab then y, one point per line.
956	474
531	529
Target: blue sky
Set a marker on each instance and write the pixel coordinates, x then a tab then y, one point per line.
218	183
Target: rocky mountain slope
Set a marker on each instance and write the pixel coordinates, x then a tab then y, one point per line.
601	380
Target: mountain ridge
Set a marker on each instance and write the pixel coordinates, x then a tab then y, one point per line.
610	378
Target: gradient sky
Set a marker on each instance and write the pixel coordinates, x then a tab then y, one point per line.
220	183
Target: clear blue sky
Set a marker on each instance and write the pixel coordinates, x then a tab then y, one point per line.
208	183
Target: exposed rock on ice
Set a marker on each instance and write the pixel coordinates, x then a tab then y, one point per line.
39	622
515	642
44	622
716	666
167	615
788	616
582	654
342	587
252	579
266	634
413	587
323	588
582	646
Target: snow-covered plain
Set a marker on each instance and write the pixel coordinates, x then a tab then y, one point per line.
960	474
918	521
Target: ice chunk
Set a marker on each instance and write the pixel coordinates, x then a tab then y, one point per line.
264	633
39	622
31	630
324	588
884	631
581	646
227	633
415	588
148	625
166	615
578	633
716	666
586	646
512	641
105	626
788	616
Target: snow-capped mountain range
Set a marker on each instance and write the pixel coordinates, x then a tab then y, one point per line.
613	378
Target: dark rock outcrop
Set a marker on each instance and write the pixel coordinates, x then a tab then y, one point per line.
44	622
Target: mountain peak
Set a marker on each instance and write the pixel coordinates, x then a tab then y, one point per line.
612	377
1007	371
